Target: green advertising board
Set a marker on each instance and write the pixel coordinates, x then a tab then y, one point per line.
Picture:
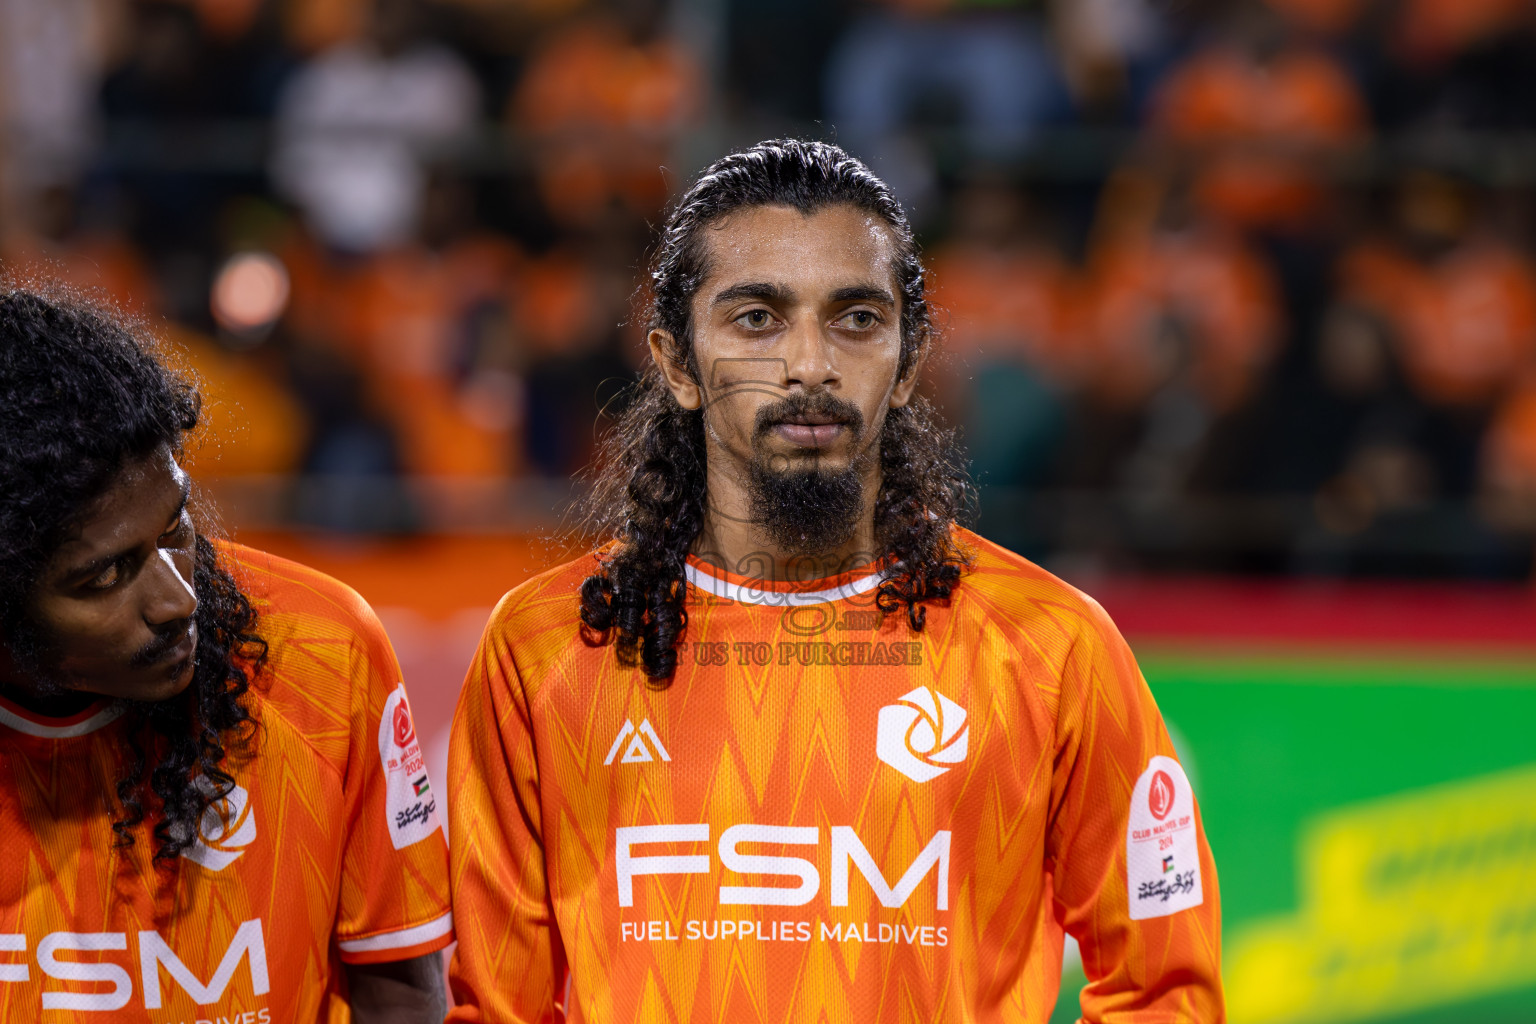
1373	820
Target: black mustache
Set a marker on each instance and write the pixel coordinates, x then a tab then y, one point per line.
821	404
155	651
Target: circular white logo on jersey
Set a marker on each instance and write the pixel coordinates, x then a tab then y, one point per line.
226	829
922	735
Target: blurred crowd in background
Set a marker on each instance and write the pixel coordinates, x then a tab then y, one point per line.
1241	286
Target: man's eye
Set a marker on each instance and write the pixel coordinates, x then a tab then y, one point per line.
756	319
178	531
861	319
107	578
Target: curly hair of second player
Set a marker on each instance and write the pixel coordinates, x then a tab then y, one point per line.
83	395
649	482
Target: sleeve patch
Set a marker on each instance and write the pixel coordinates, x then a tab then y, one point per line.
1162	853
410	803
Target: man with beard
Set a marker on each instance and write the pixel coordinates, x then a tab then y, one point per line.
212	800
792	745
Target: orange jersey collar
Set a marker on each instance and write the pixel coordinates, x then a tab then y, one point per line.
30	723
733	587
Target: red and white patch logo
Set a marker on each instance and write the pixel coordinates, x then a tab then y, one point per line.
410	803
1160	795
1162	846
405	729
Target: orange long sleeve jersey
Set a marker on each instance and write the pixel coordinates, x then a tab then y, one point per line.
826	816
328	851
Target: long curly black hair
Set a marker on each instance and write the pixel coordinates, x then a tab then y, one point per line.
648	492
83	394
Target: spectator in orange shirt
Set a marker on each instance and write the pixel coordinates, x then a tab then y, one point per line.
431	321
1180	319
1459	303
353	455
1257	112
1456	309
604	101
1174	295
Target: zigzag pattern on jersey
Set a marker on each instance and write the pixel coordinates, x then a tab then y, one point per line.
794	745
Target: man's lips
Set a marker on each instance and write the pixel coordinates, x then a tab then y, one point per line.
181	651
184	649
811	432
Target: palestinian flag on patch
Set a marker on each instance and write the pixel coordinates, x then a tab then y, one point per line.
421	785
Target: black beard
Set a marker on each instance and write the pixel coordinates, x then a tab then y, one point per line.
812	511
808	512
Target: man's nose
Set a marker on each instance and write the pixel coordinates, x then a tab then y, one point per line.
809	357
171	596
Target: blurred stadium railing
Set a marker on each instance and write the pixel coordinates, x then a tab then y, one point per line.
1495	159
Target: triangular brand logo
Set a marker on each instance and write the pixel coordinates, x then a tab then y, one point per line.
642	743
613	751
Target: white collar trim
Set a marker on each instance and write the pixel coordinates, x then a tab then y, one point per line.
21	724
748	594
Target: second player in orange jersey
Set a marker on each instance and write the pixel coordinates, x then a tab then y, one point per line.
793	745
212	800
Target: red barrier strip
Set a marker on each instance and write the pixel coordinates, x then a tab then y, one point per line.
1352	614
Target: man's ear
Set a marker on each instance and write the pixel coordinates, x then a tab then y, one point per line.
673	370
906	384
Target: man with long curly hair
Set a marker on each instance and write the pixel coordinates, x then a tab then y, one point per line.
791	744
212	801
